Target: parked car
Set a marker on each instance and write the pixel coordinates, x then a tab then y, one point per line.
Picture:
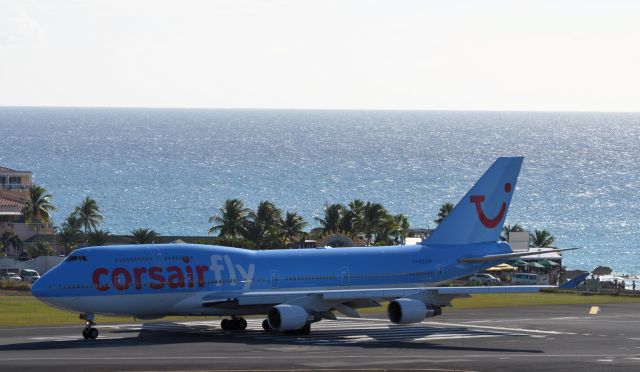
524	278
484	279
29	275
12	276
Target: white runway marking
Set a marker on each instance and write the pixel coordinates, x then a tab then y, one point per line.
343	331
328	332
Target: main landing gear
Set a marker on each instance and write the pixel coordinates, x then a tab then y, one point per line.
234	324
89	331
305	330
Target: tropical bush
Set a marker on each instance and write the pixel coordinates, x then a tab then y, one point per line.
144	236
269	227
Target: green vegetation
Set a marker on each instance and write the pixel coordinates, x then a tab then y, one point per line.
541	238
40	248
443	213
506	229
19	309
70	234
38	206
98	237
88	215
490	300
16	287
9	239
143	236
269	227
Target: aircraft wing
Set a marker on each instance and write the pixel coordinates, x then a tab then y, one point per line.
358	297
506	256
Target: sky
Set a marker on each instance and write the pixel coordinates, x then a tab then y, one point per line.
539	55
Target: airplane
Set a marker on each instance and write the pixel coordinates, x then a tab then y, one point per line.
293	287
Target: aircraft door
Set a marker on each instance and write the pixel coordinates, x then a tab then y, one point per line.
344	275
156	257
439	272
275	279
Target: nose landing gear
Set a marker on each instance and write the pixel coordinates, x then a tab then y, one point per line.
89	331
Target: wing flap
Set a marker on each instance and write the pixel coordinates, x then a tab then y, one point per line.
506	256
493	289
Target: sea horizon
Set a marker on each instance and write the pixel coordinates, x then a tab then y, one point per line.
427	110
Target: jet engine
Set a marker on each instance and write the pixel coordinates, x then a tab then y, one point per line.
285	317
408	310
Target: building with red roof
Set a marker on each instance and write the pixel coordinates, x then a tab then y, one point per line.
14	192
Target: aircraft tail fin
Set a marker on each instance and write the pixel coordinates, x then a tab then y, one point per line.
480	215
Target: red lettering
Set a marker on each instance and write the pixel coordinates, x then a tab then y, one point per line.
122	278
96	279
189	276
137	274
119	284
154	274
200	270
177	278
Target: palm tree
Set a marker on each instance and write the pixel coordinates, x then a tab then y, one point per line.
541	238
386	231
506	229
5	238
373	220
144	236
444	211
40	248
232	219
69	234
351	222
263	225
98	237
292	226
88	215
38	206
332	216
68	237
72	222
17	244
402	228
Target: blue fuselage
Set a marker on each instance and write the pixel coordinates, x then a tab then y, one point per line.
167	274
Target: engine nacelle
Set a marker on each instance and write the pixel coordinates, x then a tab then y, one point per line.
287	317
408	310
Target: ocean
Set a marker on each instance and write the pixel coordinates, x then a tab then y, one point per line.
171	169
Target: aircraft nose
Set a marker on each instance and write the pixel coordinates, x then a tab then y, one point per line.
38	288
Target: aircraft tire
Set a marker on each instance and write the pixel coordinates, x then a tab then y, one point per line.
225	324
85	333
242	323
306	329
265	325
93	333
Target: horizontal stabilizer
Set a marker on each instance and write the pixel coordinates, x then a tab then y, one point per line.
506	256
575	282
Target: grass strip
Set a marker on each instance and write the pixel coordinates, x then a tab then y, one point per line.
26	311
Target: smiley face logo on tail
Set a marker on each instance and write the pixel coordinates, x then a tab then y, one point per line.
486	221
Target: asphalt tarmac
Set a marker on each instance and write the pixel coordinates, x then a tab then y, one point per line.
549	338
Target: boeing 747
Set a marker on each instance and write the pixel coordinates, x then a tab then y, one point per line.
293	287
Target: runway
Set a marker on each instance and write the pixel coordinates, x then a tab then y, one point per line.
547	338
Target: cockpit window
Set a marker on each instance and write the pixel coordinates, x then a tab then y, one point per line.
76	258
